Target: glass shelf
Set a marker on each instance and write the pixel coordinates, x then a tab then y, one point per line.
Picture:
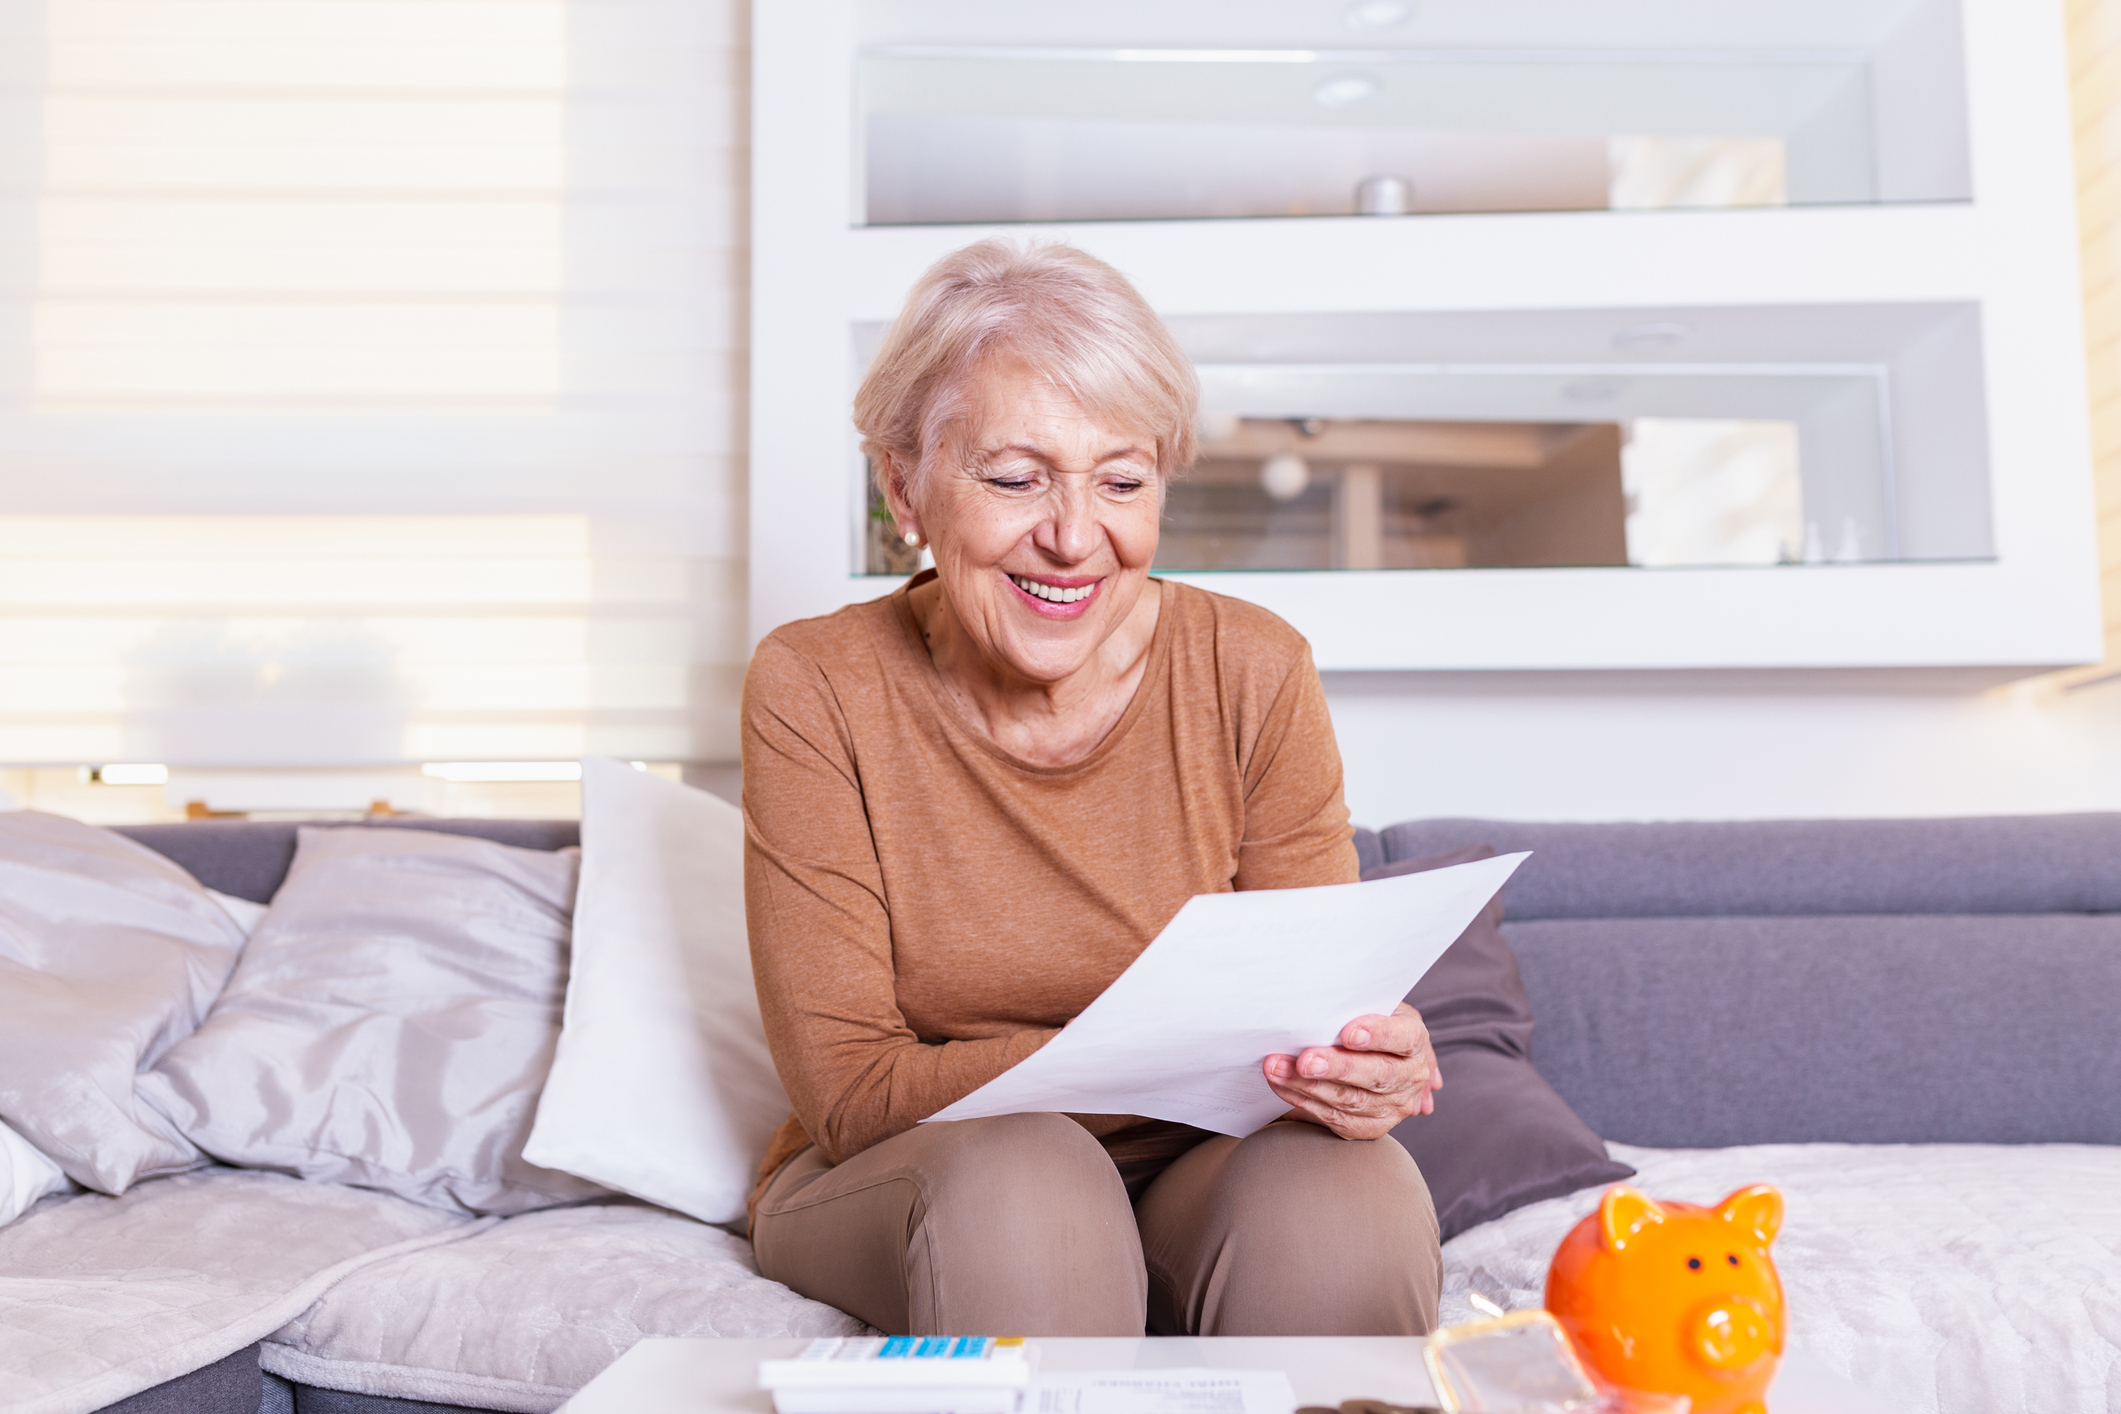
1649	438
1494	119
1313	495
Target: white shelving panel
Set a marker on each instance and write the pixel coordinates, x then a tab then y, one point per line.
2026	597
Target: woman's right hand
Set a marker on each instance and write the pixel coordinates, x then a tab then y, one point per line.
1381	1071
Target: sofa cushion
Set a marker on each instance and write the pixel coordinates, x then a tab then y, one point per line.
109	955
1499	1136
231	1385
1716	1031
1778	868
391	1022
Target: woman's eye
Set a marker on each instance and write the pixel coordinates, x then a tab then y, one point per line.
1010	483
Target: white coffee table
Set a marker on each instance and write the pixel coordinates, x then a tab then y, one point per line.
721	1376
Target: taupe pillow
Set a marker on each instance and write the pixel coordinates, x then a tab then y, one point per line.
109	955
1500	1137
391	1023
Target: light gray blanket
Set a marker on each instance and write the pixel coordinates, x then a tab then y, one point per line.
522	1316
103	1297
1945	1278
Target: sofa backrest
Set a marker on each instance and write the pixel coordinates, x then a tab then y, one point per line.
1864	981
1773	868
249	858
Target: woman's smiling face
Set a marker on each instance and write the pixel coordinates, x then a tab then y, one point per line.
1043	523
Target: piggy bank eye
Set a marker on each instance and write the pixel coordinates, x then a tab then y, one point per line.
1731	1257
1693	1264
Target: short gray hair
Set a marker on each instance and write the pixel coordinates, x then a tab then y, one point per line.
1062	311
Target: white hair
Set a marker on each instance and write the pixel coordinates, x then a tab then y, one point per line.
1064	313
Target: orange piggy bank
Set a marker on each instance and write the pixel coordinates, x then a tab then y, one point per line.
1676	1298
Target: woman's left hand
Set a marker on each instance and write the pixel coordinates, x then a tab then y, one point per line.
1381	1071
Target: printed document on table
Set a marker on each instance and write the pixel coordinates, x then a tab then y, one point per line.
1233	978
1174	1391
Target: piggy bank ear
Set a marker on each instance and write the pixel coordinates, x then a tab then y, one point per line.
1756	1211
1622	1214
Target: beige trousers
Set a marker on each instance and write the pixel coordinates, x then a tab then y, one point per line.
1021	1225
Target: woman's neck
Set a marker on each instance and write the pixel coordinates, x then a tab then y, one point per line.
1045	723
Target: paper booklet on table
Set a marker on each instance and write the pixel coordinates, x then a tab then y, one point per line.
1233	978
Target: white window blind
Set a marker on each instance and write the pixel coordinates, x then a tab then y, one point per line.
369	378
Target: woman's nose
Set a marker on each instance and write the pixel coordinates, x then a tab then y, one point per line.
1072	528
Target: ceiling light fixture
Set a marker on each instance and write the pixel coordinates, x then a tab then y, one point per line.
1384	196
1345	91
1376	14
1284	476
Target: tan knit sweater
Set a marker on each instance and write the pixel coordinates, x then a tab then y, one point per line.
926	909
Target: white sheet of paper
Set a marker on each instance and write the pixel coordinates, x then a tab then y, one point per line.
1233	978
1180	1390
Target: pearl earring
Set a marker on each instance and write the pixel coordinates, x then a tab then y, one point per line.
913	538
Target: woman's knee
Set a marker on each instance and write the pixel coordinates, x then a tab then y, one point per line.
1016	1225
1022	1227
1363	1201
1014	1163
1294	1232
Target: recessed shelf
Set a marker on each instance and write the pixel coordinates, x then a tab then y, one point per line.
1644	437
1457	108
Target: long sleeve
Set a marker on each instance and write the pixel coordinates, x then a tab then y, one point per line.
821	928
1296	830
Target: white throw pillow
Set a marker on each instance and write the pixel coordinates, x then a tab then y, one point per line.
662	1086
26	1174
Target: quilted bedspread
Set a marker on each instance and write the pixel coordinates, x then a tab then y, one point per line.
1949	1278
103	1297
522	1316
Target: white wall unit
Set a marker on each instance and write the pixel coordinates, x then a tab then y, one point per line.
1962	313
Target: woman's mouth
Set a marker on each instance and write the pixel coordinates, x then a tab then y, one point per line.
1057	599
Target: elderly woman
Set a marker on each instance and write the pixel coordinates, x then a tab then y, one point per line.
971	803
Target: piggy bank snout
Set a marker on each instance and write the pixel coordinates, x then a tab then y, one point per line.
1731	1334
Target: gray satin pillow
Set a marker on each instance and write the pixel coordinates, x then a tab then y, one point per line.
1500	1136
391	1023
109	955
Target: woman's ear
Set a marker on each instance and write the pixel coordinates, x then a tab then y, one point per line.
891	476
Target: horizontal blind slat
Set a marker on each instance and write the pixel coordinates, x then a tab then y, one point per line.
368	380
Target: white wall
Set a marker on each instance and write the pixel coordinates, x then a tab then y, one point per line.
1531	749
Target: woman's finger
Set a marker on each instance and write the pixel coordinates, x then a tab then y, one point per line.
1369	1069
1398	1034
1346	1125
1393	1105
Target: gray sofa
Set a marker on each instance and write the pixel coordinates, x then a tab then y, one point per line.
1716	995
1941	981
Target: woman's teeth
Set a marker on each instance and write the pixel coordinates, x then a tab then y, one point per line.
1052	592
